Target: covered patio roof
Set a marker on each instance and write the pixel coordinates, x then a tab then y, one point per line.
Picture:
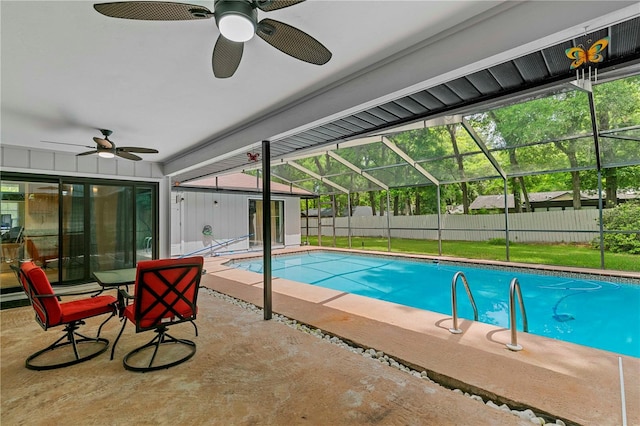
539	73
469	147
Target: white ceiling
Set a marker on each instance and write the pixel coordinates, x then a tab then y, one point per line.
67	71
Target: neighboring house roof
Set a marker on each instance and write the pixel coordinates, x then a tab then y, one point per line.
497	201
244	182
491	202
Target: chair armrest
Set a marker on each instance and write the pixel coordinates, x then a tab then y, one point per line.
123	296
58	295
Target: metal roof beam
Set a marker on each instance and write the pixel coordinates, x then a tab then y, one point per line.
393	147
317	176
357	170
478	140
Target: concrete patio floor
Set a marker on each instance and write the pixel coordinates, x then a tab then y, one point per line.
250	371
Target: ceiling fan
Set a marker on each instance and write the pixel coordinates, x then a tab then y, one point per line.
107	149
237	21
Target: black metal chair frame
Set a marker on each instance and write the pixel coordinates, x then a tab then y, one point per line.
162	337
70	337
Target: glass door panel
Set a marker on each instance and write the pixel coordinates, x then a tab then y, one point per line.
144	224
111	213
256	221
29	216
73	232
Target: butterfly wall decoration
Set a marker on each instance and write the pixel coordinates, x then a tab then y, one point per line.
253	156
592	55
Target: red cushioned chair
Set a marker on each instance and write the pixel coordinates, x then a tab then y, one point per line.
50	312
166	292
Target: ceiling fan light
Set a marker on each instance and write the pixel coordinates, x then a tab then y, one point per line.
236	20
236	27
106	154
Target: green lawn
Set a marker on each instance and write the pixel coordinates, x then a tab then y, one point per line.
546	254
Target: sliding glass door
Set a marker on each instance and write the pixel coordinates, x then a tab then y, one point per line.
73	227
29	230
256	221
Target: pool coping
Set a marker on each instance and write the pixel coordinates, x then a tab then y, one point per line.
571	382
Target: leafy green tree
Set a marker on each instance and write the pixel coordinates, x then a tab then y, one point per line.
623	217
617	106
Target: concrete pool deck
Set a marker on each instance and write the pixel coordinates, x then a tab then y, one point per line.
248	371
572	382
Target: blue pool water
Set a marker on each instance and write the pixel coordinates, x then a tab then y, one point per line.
600	314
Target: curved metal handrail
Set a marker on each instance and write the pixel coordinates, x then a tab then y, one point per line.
513	287
454	302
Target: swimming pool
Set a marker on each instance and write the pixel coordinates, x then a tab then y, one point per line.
590	312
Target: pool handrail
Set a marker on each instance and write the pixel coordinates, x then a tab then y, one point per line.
454	301
513	287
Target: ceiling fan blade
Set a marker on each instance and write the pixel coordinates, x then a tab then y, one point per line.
293	42
269	5
226	57
139	150
103	143
153	10
87	153
128	155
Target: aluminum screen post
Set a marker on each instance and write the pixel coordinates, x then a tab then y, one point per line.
506	216
266	227
596	146
439	223
601	227
349	218
388	222
333	219
307	217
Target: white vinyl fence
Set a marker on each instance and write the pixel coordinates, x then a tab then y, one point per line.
578	226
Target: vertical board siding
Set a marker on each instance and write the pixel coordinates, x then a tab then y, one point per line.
228	215
546	226
27	160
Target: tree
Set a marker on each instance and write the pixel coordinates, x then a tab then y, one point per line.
624	217
617	106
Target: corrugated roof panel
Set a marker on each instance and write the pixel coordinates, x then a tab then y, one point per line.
484	82
411	105
556	59
370	118
292	143
507	75
359	122
349	126
306	139
277	149
382	114
319	134
445	95
337	128
532	67
463	88
396	109
330	133
428	100
624	38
